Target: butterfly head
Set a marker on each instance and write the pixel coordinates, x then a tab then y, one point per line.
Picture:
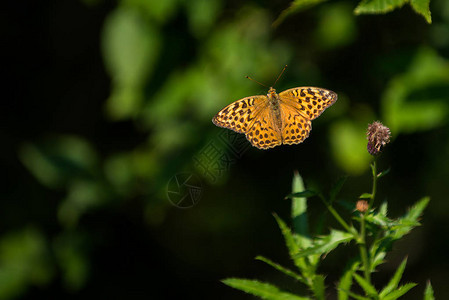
271	92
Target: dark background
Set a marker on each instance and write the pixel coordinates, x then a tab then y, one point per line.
106	103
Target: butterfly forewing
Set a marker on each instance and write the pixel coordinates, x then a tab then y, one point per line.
241	114
310	101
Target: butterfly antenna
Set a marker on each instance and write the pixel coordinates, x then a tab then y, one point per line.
256	81
280	75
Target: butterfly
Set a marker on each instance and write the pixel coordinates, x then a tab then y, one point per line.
276	119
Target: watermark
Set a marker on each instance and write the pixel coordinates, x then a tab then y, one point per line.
217	156
184	190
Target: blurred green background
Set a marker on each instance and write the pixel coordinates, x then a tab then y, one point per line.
107	103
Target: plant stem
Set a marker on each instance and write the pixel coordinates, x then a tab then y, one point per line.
362	237
373	192
363	250
338	218
336	215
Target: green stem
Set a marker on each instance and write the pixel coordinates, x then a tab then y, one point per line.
338	218
336	215
363	250
373	192
362	237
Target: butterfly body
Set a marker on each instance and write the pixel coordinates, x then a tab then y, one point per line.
275	119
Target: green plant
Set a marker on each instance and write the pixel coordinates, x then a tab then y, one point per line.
364	7
372	231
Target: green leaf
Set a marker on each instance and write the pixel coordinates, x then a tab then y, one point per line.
428	293
318	287
394	281
383	209
365	196
327	243
299	207
365	285
336	188
24	262
410	220
417	209
346	281
60	159
403	110
292	246
422	8
282	269
261	289
384	6
130	47
295	7
399	292
377	6
303	194
358	297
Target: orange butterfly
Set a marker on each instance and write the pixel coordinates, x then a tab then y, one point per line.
275	119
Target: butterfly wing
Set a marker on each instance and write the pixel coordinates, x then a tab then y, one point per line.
239	115
295	127
310	101
252	116
264	133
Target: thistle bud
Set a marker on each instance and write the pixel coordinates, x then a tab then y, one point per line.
361	206
378	136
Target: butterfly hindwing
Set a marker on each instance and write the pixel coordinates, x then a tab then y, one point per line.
295	127
264	133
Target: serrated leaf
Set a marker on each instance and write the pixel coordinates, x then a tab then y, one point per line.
282	269
365	196
336	188
365	285
410	220
291	244
416	210
346	281
378	259
394	281
383	209
299	207
327	243
295	7
261	289
428	293
303	194
399	292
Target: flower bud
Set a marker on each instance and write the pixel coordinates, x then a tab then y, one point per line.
378	136
362	206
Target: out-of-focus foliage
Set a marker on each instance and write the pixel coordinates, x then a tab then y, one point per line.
23	261
114	99
417	100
